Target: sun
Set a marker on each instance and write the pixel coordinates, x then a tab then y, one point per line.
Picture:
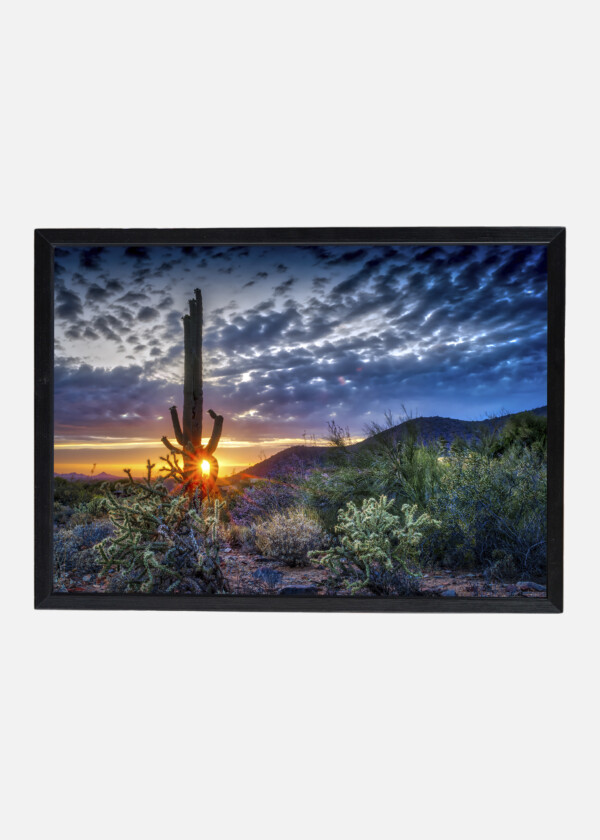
205	467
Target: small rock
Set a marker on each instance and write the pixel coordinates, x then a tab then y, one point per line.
269	576
298	590
449	593
527	584
511	589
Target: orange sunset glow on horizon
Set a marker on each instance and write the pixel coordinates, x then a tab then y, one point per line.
233	456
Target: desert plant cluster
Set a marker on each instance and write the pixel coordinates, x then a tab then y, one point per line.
373	520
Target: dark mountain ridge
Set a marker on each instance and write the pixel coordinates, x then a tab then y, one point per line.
75	476
428	429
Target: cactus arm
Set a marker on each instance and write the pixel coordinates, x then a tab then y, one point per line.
216	435
177	425
170	446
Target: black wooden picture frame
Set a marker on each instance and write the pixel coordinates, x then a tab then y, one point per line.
47	240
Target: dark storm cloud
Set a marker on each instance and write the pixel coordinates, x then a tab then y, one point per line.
96	293
109	327
133	297
138	253
165	267
123	313
285	286
118	396
147	313
90	259
68	305
248	284
320	253
172	326
114	286
347	257
356	280
429	254
261	275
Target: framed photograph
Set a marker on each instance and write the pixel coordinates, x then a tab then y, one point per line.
304	419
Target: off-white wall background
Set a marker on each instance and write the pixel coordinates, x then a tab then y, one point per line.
193	114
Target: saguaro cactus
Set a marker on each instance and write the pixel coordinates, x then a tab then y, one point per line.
200	467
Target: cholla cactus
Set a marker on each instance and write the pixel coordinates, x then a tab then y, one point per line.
374	549
198	468
161	543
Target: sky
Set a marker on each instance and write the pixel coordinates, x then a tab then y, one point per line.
294	337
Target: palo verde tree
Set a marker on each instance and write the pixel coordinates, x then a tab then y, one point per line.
198	468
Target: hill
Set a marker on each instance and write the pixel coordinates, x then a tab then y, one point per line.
75	476
428	429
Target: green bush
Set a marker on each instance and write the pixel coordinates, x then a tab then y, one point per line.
289	536
402	469
376	551
525	430
492	513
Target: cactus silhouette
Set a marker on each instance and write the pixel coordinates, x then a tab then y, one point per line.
200	468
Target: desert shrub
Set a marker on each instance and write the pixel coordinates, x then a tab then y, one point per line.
69	493
265	498
163	542
72	546
77	503
525	430
492	513
238	536
62	513
376	551
289	535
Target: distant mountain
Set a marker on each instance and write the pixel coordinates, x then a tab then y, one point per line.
428	429
75	476
301	456
434	428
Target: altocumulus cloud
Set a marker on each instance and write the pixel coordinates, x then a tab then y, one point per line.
353	331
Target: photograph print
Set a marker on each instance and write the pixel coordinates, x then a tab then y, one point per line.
301	421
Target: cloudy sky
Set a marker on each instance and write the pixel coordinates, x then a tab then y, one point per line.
293	337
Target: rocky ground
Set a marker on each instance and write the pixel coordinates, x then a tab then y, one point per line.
251	574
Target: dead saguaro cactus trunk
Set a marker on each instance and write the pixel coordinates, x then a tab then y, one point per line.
200	468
